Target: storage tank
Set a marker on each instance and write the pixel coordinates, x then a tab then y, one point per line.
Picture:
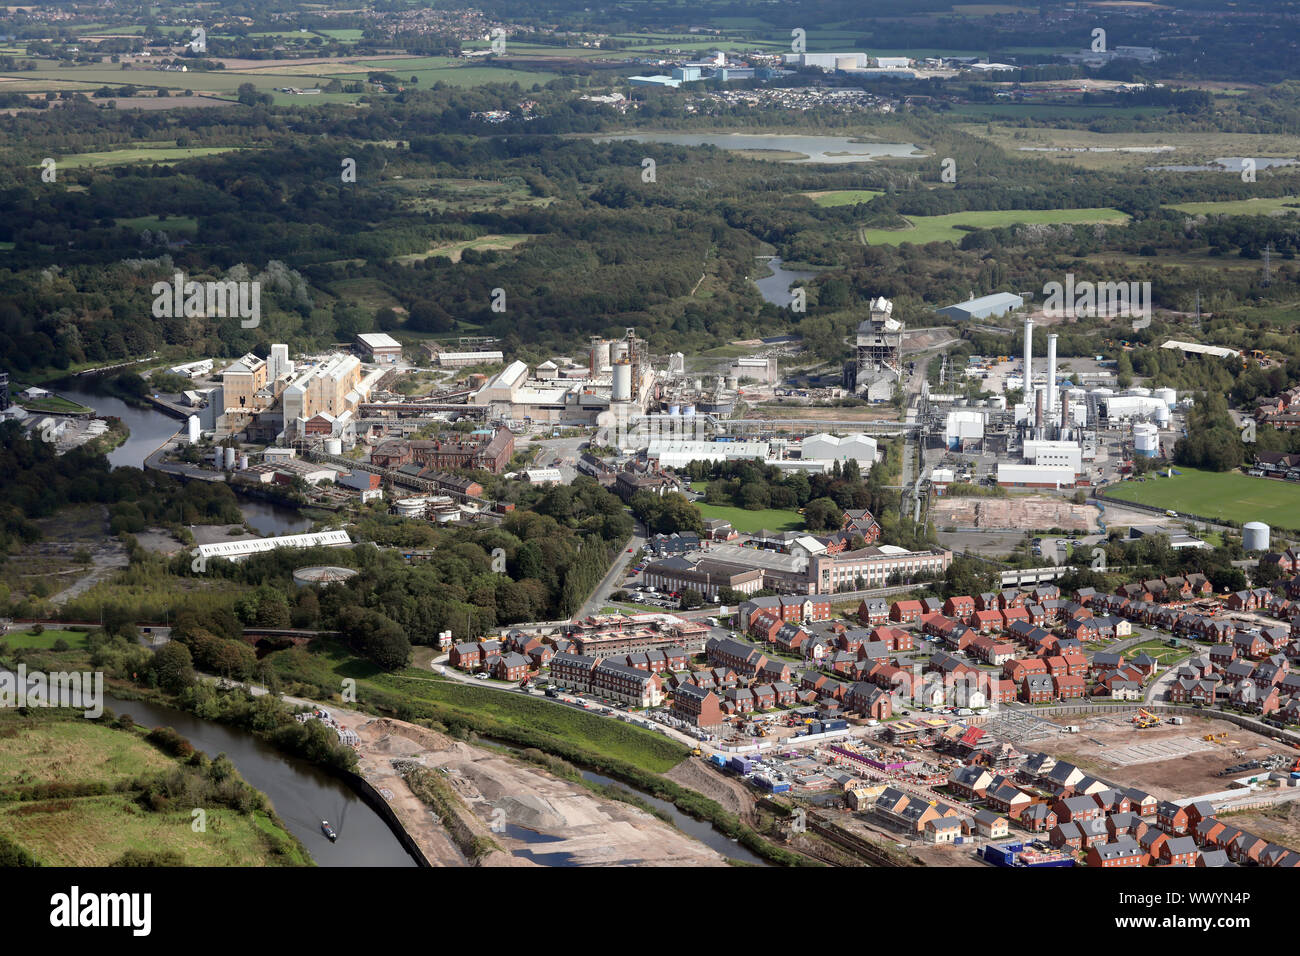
688	410
1166	395
733	382
230	459
320	575
1254	536
622	382
1146	440
1139	391
1162	414
600	355
243	463
674	409
217	457
998	401
192	429
410	507
617	352
334	446
1102	392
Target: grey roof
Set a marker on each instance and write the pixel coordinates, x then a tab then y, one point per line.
1118	850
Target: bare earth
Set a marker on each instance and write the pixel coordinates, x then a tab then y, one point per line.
572	820
1023	512
733	795
1187	775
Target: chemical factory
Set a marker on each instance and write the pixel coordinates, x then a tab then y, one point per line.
1054	429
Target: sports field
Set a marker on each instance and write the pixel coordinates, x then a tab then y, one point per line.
772	519
1228	495
946	228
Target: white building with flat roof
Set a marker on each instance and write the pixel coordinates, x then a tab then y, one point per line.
238	550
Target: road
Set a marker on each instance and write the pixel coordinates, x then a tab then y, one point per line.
613	579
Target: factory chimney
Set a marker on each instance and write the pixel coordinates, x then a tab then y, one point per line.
1038	412
1051	375
1065	411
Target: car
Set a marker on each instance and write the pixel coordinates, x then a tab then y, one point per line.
629	550
480	676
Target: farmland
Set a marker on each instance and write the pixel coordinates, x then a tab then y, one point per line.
1228	496
951	227
843	197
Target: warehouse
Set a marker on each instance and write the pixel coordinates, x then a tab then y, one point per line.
238	550
380	347
986	306
1035	476
824	447
463	359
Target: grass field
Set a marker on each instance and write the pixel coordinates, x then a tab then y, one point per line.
46	639
1227	495
946	228
1159	650
141	154
843	197
1241	207
773	519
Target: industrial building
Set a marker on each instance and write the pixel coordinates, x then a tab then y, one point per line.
489	450
238	550
984	307
463	359
1035	476
824	447
380	347
876	368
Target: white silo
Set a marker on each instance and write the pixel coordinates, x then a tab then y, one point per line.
998	401
230	459
617	351
1254	536
243	463
192	429
1139	391
622	382
1167	395
1146	440
1162	415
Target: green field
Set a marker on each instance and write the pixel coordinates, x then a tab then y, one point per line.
45	640
1229	495
1241	207
843	197
1159	650
946	228
141	154
773	519
170	224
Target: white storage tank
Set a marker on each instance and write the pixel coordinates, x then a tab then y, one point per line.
1166	395
998	401
617	352
230	459
243	463
410	507
334	446
622	382
192	429
688	410
1162	414
1140	391
1254	536
1146	440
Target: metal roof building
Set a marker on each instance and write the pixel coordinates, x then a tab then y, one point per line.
999	303
238	550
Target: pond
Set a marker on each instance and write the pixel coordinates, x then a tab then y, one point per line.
776	287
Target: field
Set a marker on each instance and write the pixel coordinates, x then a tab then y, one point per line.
1159	650
44	640
947	228
773	519
843	197
97	814
454	250
146	154
1228	496
1242	207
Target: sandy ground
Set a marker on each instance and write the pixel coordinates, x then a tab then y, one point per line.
1280	824
1183	776
733	795
510	797
1019	511
946	856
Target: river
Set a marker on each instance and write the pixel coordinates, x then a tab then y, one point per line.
303	795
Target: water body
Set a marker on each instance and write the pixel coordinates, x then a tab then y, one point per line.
268	518
1224	164
149	427
303	795
776	287
815	149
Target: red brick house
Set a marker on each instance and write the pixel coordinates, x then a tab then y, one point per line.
905	612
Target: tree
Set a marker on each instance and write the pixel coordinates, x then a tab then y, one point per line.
691	598
376	637
172	668
823	514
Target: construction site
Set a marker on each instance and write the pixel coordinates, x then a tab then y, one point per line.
1018	513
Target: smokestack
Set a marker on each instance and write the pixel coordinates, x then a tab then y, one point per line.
1038	411
1029	356
1051	374
1065	410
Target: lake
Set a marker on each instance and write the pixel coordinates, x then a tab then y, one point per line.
815	149
776	287
1224	164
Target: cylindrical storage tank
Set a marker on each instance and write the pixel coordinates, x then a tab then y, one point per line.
1254	536
622	382
601	357
1139	391
733	382
1166	395
334	446
192	429
1146	440
410	507
230	459
320	575
1162	414
243	463
617	352
217	457
998	401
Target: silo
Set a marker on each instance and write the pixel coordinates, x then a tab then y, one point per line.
998	401
1140	391
217	457
1166	395
1146	440
192	429
1162	414
230	459
617	351
243	463
733	382
334	446
622	381
1254	536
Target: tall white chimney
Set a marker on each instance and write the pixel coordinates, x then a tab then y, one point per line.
1029	357
1051	375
